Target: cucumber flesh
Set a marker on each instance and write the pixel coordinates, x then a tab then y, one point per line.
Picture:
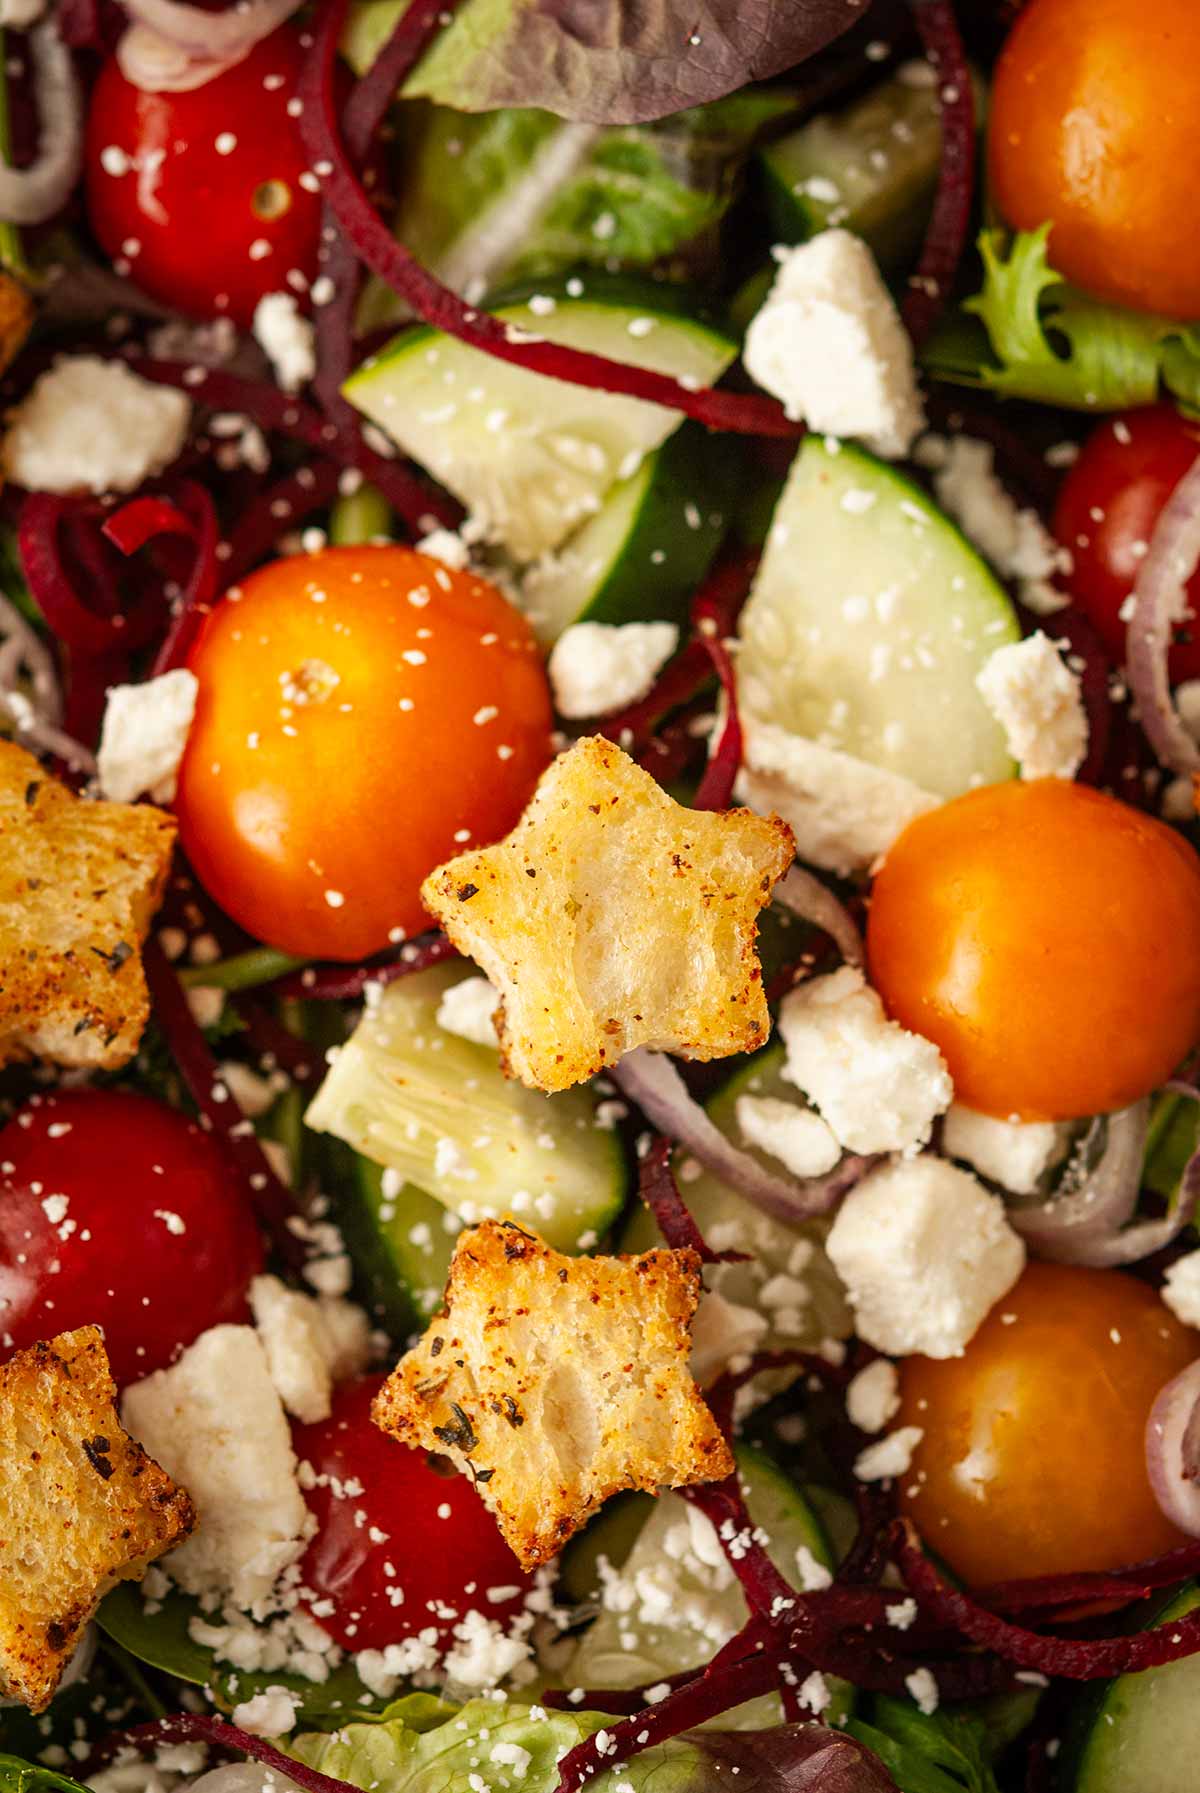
438	1111
1139	1733
532	457
868	622
400	1242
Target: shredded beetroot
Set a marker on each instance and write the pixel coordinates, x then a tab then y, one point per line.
343	983
193	1727
720	1396
193	516
950	220
660	1192
272	1042
57	591
1132	1583
279	508
141	519
715	790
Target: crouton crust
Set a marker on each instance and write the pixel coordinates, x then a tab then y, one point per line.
79	885
613	917
81	1506
556	1382
16	319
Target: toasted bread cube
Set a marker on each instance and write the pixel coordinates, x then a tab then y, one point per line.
79	885
556	1382
81	1507
16	319
613	917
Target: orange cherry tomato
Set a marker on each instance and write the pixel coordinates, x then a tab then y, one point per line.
1047	938
1092	128
1032	1460
363	714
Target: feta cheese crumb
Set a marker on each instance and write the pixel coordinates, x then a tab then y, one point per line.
890	1456
924	1690
814	1692
925	1253
271	1713
483	1656
511	1755
1181	1289
1012	538
596	668
215	1423
467	1009
447	546
92	425
143	735
873	1396
797	1136
288	338
311	1342
813	1575
1015	1154
1037	700
829	343
902	1615
722	1330
878	1086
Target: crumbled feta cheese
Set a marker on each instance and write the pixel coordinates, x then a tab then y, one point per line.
511	1755
815	1693
878	1086
143	735
1181	1289
903	1614
722	1330
215	1423
1036	699
467	1009
288	338
93	425
447	546
924	1690
311	1342
382	1671
795	1135
596	668
271	1713
813	1574
890	1456
873	1396
1015	1154
243	1777
1014	539
925	1252
843	811
829	343
483	1656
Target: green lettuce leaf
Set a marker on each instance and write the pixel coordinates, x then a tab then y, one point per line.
1044	340
414	1750
602	61
938	1752
19	1776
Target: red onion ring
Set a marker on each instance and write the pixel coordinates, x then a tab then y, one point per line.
31	195
172	47
1068	1225
1173	1450
805	897
652	1080
950	220
1160	601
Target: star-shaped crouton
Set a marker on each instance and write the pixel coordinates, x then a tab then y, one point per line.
79	886
81	1507
613	917
557	1381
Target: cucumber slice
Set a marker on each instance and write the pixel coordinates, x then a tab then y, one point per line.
728	1221
400	1244
1140	1732
612	1535
871	168
439	1111
1173	1137
701	1600
647	548
529	456
868	621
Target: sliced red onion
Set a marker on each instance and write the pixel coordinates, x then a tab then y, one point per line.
172	47
25	655
31	195
808	899
653	1081
1173	1450
1083	1226
1160	600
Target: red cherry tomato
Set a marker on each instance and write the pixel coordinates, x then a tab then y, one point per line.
441	1555
119	1210
1106	512
364	714
206	195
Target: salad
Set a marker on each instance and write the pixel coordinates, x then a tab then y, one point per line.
599	896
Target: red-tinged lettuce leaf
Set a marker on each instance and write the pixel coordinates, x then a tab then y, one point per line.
793	1759
606	61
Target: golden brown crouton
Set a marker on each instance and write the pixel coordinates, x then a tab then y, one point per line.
556	1382
79	885
612	917
81	1506
16	319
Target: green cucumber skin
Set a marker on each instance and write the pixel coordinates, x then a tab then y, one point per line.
1103	1753
399	1283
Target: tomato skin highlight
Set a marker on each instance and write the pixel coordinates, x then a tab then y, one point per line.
152	1236
1092	125
1032	1460
1047	938
364	714
442	1546
1107	508
209	205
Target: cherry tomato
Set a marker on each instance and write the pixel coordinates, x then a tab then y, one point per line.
1047	938
364	714
119	1210
206	195
1092	128
1106	512
439	1555
1032	1460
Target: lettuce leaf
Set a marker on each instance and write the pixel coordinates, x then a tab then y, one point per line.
604	61
414	1750
19	1776
937	1752
1044	340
